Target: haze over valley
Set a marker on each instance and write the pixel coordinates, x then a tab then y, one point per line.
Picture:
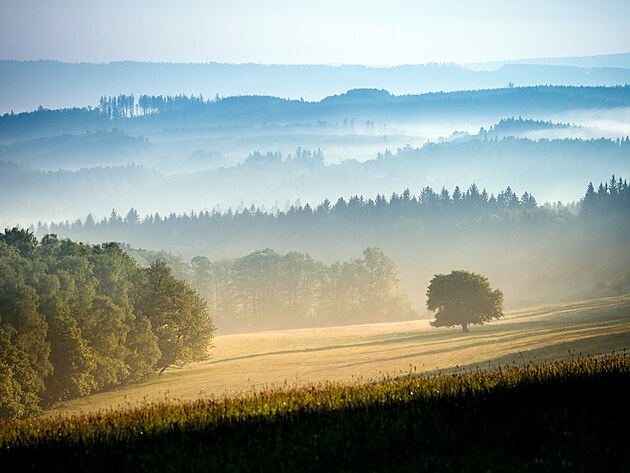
269	236
237	151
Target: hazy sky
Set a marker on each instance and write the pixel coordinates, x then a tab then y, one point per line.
374	32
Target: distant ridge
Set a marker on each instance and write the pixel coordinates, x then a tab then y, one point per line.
25	85
361	105
619	60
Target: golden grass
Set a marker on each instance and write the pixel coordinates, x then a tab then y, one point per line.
249	362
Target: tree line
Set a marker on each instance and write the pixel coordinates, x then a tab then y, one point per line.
272	181
267	290
126	106
402	224
357	104
610	199
508	126
472	206
77	319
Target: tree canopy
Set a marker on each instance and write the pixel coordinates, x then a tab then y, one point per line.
463	298
77	319
266	290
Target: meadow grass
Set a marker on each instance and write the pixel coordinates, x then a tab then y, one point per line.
569	415
248	363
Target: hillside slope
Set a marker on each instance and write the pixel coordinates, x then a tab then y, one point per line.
248	362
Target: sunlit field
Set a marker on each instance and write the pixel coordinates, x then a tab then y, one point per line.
546	416
246	363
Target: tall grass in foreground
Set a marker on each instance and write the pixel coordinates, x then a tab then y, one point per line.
563	416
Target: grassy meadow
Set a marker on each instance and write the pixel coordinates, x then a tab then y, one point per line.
247	363
569	415
365	398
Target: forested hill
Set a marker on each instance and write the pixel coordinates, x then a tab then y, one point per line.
148	112
546	168
26	84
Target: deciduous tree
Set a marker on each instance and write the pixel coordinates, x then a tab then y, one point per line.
463	298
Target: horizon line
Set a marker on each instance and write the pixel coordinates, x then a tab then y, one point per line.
370	66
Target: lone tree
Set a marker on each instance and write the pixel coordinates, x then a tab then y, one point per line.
463	298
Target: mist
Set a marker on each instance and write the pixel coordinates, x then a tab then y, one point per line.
177	154
134	170
286	236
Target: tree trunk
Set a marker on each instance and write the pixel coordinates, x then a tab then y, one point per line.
465	328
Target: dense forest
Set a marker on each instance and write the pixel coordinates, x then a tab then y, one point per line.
468	208
77	319
471	206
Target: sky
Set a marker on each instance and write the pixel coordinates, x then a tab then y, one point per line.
370	32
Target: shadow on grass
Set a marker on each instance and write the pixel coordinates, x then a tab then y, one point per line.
570	423
590	319
560	351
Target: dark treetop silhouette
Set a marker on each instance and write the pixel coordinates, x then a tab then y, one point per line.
463	298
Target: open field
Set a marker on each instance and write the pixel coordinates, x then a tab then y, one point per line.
248	362
568	415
